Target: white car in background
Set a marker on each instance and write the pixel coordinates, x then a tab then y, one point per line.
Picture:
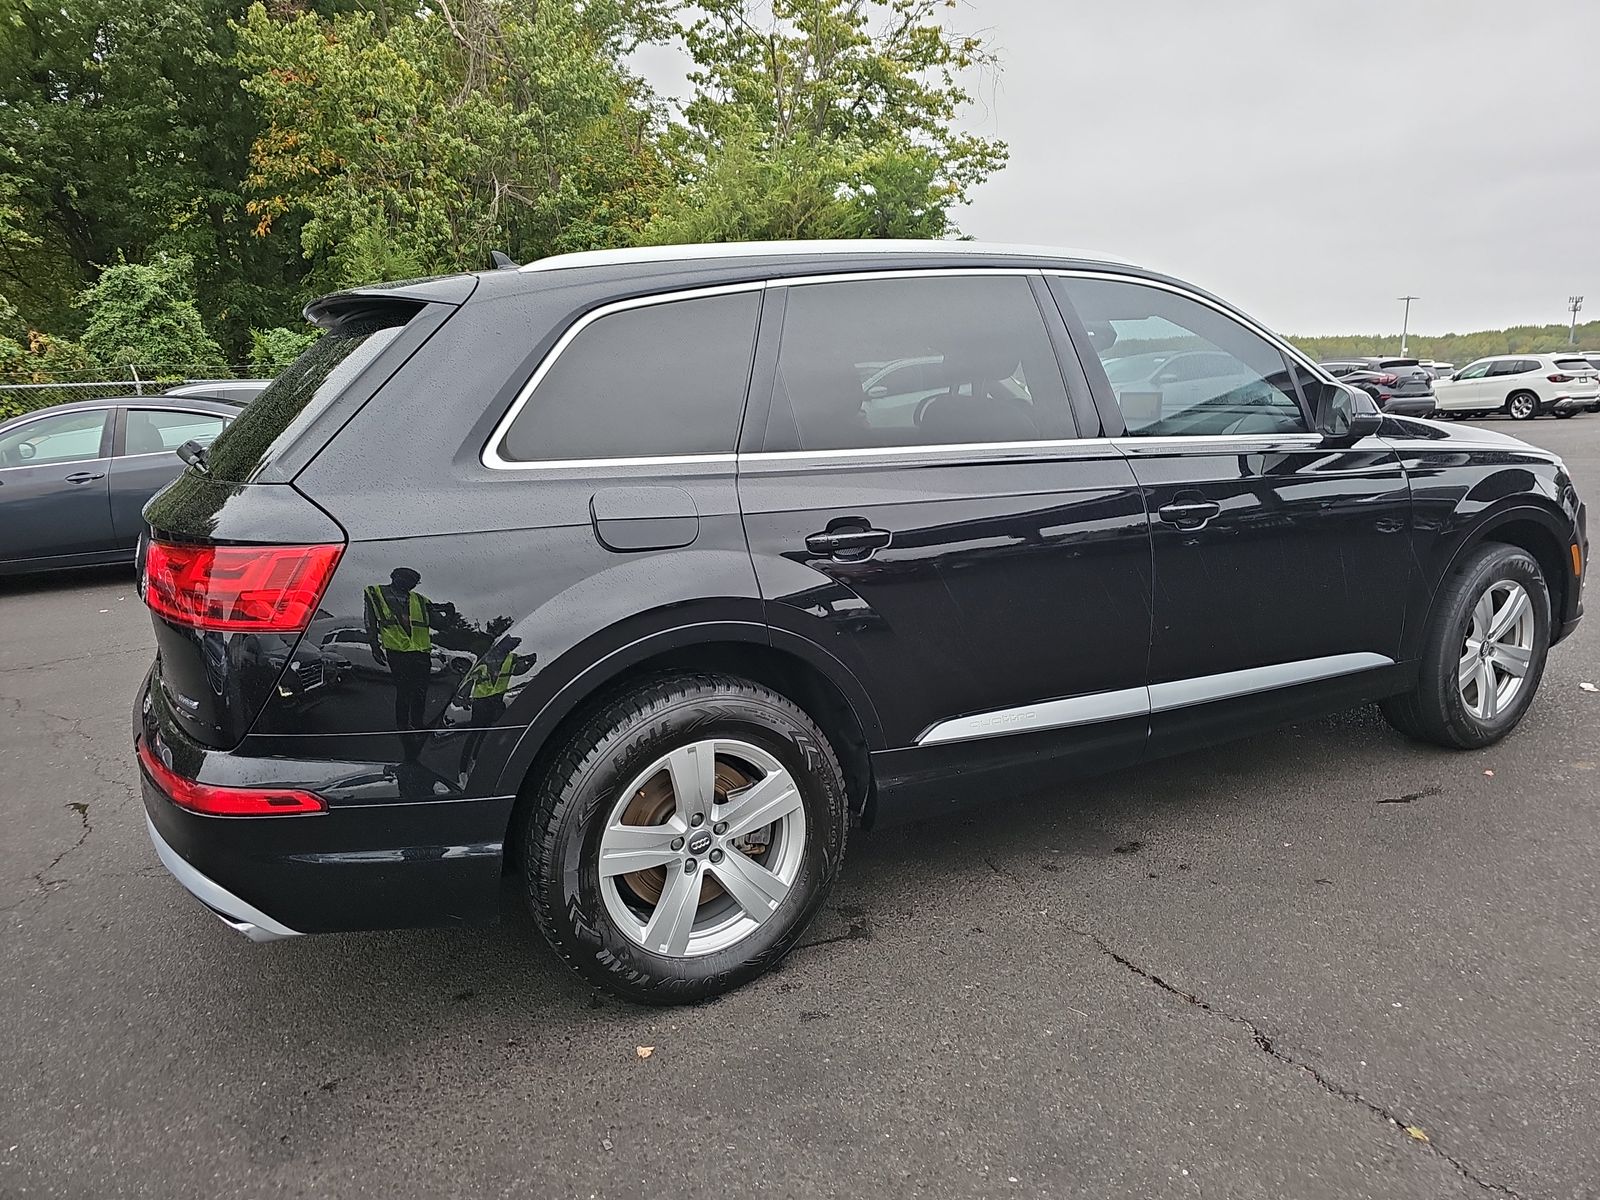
1523	385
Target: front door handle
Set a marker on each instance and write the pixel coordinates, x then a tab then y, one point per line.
1189	514
850	543
84	477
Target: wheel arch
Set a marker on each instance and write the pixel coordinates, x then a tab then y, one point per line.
1529	528
786	663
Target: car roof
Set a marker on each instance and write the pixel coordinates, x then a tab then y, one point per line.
225	408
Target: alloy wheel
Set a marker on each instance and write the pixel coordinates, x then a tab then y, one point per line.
1521	406
702	847
1497	649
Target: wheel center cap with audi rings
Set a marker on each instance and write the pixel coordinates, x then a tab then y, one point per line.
700	842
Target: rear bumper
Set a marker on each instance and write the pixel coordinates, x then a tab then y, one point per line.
1570	403
1409	406
239	915
383	865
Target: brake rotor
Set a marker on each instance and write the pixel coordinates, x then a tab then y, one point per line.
654	804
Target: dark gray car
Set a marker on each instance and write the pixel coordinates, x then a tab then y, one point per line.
74	477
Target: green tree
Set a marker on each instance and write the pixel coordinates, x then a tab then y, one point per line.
419	143
124	131
823	118
271	350
144	314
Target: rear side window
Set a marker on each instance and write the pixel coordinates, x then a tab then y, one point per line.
942	360
273	420
661	379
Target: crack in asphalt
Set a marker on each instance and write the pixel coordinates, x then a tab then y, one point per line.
1264	1042
56	662
97	761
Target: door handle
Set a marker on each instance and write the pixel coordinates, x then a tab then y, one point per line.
1189	514
84	477
850	543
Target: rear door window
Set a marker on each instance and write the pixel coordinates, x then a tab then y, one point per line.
939	360
150	431
665	378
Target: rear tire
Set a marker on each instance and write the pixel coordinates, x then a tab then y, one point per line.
1468	697
1523	406
652	833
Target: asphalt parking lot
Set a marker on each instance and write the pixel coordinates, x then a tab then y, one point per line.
1241	973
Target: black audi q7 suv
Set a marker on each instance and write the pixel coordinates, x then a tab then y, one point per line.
654	570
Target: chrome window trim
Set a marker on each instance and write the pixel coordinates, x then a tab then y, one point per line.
490	456
1217	443
973	452
1097	707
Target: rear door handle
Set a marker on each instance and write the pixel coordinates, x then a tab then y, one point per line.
850	543
84	477
1189	514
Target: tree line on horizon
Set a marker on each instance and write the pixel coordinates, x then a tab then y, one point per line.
178	177
1456	348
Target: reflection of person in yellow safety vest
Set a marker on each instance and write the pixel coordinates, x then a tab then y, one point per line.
399	623
486	684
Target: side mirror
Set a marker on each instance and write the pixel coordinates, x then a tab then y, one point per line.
1346	414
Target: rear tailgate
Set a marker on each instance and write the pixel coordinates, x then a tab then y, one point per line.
236	558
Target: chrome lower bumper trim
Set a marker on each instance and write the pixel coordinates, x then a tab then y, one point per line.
239	915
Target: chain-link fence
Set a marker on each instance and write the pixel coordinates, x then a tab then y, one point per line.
28	391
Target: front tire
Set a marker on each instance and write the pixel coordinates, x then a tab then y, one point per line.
1484	652
684	837
1561	414
1523	406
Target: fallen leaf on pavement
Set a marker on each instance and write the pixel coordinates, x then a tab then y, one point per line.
1589	687
1416	1134
1490	774
644	1051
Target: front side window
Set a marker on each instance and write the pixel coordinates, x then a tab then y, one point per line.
1217	377
150	432
1475	370
662	379
941	360
65	437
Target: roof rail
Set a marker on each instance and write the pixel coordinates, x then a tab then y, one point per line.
689	253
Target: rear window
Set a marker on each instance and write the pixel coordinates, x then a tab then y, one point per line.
1398	362
1573	364
292	401
667	378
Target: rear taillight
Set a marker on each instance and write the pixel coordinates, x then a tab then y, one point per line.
1388	380
1559	378
215	801
237	589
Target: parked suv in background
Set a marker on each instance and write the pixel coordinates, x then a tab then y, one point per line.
1523	385
1399	385
727	589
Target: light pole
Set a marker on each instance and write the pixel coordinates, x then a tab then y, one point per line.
1574	303
1405	324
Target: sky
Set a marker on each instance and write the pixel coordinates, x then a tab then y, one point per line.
1308	160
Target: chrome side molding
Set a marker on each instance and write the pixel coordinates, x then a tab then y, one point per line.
1096	707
